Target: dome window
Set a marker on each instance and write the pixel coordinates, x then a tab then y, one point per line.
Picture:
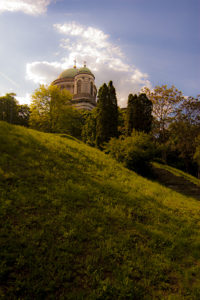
79	87
91	88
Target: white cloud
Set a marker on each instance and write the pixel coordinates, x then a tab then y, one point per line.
42	71
24	99
104	58
31	7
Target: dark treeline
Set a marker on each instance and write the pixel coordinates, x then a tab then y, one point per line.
12	112
157	124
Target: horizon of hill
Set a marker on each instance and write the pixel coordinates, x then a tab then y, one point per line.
75	224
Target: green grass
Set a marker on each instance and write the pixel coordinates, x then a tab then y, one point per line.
77	225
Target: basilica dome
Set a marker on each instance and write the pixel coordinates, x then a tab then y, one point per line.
69	73
81	84
84	70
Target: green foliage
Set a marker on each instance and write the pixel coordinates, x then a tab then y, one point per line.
89	128
8	108
197	154
122	121
107	114
77	225
138	114
166	104
135	152
51	111
23	115
12	112
129	114
183	132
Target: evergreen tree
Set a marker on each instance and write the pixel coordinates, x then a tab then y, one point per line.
139	114
113	119
130	113
142	114
107	114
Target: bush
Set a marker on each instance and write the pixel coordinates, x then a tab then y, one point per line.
135	152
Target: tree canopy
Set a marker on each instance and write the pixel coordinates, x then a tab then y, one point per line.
139	114
51	111
107	114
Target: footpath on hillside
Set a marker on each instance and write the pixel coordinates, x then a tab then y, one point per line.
176	183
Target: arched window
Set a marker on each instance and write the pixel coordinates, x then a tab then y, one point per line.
79	87
91	88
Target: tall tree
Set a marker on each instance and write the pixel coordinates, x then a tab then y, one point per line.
166	103
184	130
197	154
107	114
130	113
139	114
113	119
9	108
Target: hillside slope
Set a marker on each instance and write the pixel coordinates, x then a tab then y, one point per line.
77	225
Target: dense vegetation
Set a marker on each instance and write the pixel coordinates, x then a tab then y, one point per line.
77	225
171	120
13	112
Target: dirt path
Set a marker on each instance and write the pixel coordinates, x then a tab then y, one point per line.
177	183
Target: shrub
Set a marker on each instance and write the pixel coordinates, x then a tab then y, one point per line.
135	152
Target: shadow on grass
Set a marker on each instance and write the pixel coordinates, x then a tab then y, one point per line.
176	183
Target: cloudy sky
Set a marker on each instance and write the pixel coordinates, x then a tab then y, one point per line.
135	43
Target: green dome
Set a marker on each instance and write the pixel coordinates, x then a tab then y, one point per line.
85	70
69	73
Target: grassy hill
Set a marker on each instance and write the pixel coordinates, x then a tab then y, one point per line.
77	225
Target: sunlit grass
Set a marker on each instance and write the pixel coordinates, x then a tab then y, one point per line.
77	225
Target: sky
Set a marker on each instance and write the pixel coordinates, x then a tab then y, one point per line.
134	43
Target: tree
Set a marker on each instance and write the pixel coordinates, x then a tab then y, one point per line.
89	127
129	114
23	115
113	119
197	154
184	130
48	104
9	108
135	151
139	112
166	103
107	114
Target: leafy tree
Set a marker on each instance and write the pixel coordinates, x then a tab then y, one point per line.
9	108
184	131
23	115
12	112
166	103
70	121
135	151
139	112
89	127
197	154
122	121
47	107
107	114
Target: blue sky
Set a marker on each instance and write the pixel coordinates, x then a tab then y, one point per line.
135	43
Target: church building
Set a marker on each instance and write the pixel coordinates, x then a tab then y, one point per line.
81	84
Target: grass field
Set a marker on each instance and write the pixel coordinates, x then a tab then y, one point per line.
75	224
